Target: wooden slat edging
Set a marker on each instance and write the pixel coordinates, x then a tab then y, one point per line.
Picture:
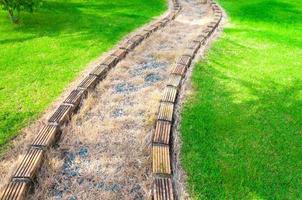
128	45
110	61
161	165
179	70
137	39
190	52
185	60
163	189
194	45
174	80
165	111
88	83
120	54
29	165
169	94
46	136
100	71
75	97
161	159
15	191
61	115
162	132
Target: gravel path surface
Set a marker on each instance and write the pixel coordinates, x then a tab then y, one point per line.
105	152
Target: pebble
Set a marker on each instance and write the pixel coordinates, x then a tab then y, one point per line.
150	63
117	113
83	152
125	87
152	78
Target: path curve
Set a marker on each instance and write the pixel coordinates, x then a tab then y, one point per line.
105	151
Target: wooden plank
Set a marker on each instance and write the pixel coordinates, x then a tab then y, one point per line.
163	189
100	71
217	19
119	54
218	11
218	15
165	111
110	61
61	115
88	83
207	31
128	45
215	7
46	136
75	97
190	52
165	21
151	29
201	38
15	191
194	45
158	25
172	16
30	164
185	60
179	70
212	25
161	159
174	80
162	132
169	94
144	33
137	39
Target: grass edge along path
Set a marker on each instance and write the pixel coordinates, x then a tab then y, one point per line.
241	128
50	48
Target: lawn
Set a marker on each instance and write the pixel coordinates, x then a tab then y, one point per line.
45	52
241	128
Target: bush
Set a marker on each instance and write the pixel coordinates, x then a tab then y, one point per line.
14	7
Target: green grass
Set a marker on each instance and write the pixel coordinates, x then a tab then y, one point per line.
39	57
241	129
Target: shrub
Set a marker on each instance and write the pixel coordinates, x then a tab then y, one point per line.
14	7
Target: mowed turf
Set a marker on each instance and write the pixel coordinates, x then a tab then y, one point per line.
241	128
40	56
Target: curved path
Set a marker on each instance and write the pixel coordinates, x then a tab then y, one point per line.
105	151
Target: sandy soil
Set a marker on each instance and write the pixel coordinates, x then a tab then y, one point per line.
105	151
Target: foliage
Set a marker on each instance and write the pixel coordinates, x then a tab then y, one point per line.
14	7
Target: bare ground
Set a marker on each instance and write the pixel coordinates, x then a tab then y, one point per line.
105	151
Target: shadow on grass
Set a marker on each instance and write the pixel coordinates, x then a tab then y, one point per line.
276	11
243	149
266	36
241	130
87	19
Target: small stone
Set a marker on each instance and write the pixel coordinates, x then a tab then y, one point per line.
80	181
100	185
125	87
58	194
117	113
83	152
152	78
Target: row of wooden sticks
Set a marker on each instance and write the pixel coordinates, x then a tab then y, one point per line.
163	187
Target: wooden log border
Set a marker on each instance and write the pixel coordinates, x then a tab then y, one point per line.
163	188
24	177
